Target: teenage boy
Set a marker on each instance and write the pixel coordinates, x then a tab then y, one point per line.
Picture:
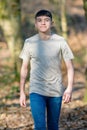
44	51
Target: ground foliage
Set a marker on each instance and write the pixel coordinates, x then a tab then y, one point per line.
16	118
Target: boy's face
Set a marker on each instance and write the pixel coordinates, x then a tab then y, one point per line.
43	24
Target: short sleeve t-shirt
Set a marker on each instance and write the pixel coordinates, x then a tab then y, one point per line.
45	62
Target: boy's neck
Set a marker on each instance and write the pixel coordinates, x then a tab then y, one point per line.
45	36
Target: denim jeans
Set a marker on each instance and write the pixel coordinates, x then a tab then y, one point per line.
45	111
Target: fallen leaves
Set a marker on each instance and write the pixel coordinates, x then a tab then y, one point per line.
75	119
17	118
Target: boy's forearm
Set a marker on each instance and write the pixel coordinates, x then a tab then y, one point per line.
70	72
70	75
22	84
23	77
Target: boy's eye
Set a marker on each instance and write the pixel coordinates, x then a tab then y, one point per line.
47	20
39	20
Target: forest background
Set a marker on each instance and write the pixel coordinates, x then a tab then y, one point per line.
17	24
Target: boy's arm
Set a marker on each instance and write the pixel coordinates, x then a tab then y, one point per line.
70	73
23	75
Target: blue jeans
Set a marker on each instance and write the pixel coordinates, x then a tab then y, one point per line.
45	111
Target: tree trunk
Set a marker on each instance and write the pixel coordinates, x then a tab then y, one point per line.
63	19
85	9
10	22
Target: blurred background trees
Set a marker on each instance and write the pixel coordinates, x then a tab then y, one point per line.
10	23
85	9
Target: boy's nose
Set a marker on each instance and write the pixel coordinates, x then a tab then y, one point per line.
43	21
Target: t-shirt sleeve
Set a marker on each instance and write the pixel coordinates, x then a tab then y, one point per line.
66	51
25	53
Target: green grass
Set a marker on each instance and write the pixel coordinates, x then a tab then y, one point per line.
13	92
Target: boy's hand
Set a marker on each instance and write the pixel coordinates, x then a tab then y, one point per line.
22	99
67	96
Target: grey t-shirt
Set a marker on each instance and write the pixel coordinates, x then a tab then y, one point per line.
45	60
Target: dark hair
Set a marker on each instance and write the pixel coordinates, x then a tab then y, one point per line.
43	13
